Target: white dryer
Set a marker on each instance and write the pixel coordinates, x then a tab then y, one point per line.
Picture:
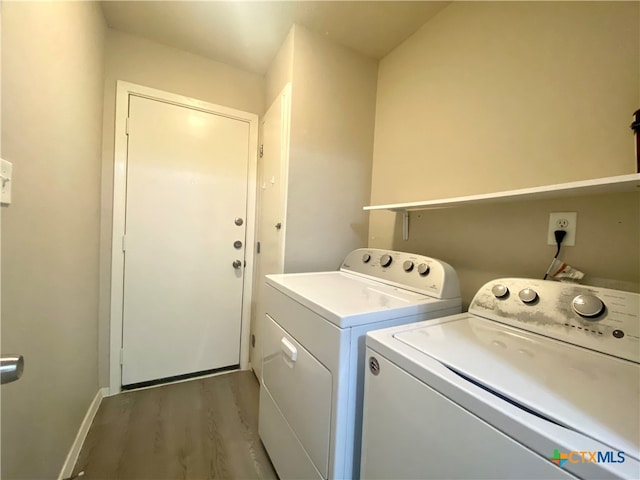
313	366
539	380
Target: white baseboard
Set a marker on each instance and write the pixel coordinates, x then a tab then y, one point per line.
72	457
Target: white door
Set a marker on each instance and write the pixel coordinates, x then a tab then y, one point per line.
186	205
271	226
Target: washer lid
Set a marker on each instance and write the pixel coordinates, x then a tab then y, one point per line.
349	300
594	394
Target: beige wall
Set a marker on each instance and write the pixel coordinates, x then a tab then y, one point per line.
510	240
280	70
332	120
147	63
52	97
494	96
498	96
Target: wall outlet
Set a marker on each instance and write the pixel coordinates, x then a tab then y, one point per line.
567	221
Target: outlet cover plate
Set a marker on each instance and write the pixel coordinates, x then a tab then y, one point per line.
567	221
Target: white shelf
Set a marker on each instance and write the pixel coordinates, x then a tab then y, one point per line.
597	186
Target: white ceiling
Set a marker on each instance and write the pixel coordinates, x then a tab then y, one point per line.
248	34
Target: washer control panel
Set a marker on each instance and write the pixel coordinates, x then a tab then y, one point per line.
413	272
601	319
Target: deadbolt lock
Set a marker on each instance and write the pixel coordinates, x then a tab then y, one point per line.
237	244
238	221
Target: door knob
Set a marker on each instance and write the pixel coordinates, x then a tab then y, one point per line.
237	264
237	244
11	367
238	221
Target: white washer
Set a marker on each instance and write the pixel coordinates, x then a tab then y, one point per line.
313	366
536	374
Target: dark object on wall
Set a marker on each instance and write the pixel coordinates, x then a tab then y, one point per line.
635	126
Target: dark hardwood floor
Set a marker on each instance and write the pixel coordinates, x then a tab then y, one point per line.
200	429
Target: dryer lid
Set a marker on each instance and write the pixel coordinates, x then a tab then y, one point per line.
588	392
348	300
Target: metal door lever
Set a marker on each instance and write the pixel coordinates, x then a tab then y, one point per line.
11	367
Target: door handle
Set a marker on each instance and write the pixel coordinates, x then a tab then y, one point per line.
11	368
237	264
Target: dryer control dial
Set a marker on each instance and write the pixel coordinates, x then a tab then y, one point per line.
528	295
407	266
365	258
423	269
588	306
385	260
500	290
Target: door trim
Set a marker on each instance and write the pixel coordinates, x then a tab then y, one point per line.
123	90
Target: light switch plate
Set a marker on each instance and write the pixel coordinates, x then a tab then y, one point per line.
6	170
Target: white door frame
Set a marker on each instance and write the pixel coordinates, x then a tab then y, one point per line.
123	90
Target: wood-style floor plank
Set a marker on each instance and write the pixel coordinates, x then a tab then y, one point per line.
200	429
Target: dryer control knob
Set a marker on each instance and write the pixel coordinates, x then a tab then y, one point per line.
423	269
587	306
407	266
365	258
528	295
386	260
499	290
